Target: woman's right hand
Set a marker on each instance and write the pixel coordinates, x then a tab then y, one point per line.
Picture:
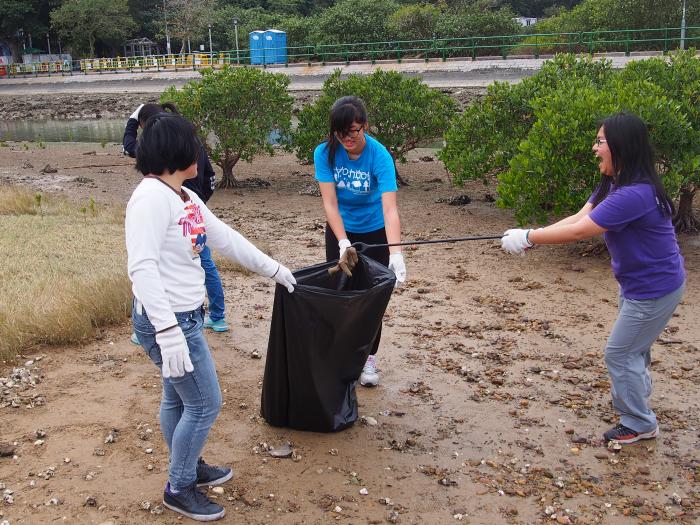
174	352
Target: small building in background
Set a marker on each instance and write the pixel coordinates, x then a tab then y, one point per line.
40	57
140	47
526	21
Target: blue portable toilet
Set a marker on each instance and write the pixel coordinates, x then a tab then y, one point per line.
275	47
257	52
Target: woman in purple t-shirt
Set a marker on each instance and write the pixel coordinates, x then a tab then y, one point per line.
632	210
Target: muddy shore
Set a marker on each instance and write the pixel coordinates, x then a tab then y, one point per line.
116	106
490	410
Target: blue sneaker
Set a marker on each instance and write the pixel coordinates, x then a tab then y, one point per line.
210	475
192	503
218	326
134	339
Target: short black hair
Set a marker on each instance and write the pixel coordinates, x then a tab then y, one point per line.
168	142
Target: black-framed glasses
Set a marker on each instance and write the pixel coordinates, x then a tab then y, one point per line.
352	133
598	141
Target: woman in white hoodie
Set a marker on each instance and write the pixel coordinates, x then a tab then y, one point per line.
167	226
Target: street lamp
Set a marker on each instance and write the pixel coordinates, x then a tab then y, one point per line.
683	27
48	43
167	35
211	54
235	30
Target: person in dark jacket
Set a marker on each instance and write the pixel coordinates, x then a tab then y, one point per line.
203	185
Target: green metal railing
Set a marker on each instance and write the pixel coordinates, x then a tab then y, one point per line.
625	41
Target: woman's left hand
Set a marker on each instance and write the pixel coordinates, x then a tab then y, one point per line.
284	277
397	266
515	241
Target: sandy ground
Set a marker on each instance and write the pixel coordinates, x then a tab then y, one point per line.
493	391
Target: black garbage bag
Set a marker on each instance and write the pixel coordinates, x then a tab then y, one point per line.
320	337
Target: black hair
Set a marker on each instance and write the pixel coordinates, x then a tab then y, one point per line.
148	110
632	155
344	112
168	142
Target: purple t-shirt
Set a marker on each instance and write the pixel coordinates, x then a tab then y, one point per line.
646	259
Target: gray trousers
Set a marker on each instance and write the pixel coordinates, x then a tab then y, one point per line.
628	354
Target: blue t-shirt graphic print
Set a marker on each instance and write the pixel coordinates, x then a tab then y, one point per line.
359	183
354	180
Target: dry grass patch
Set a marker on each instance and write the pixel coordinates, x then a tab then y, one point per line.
227	265
66	272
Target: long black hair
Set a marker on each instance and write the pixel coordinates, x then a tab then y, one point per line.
344	112
632	158
148	110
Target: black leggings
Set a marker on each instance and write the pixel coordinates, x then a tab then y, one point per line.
380	255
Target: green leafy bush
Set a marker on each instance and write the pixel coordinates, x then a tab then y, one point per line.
536	136
555	170
403	112
614	15
679	79
239	107
414	22
351	21
485	137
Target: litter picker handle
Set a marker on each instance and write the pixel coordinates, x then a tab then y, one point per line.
361	246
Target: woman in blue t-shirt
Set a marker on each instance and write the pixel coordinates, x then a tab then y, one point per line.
632	210
358	185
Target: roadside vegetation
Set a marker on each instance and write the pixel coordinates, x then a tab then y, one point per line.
89	28
66	277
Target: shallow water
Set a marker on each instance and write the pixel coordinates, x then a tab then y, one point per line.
99	130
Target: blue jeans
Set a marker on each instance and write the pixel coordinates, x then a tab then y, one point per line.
628	354
190	403
212	282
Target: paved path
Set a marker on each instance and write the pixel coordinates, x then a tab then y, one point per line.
452	73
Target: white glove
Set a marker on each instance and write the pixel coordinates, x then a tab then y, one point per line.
515	241
174	352
343	244
135	114
397	266
284	277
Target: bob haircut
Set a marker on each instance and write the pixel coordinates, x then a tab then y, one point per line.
169	143
344	113
632	158
148	110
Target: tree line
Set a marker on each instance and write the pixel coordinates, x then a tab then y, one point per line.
88	28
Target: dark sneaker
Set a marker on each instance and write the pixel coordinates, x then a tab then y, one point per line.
193	504
211	475
625	435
